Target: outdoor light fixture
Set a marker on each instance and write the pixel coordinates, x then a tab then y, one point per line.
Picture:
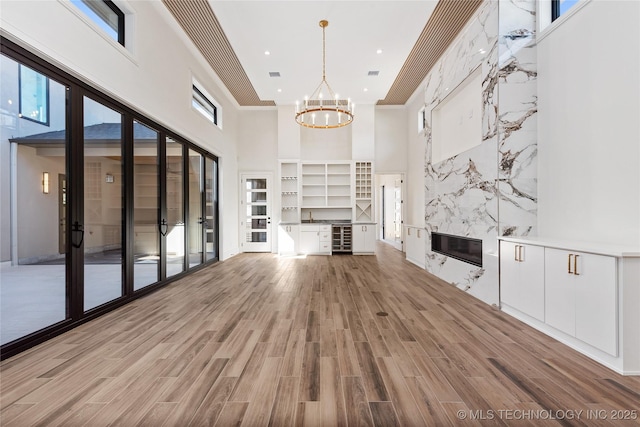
323	109
45	182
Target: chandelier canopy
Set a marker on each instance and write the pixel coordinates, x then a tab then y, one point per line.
323	109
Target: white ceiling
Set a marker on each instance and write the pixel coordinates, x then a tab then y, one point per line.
289	30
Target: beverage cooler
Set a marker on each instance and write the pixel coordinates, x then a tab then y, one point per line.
341	238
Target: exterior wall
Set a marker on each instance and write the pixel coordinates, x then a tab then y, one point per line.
153	75
589	92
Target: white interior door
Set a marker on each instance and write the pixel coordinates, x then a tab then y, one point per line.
255	212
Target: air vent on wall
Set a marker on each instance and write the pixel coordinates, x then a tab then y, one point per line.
373	73
274	74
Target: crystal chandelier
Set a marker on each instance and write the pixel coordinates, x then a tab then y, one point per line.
323	109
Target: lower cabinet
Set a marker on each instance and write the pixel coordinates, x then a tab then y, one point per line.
522	278
364	239
315	239
589	292
288	239
415	245
581	296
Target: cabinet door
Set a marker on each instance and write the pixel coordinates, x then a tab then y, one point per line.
309	242
560	299
288	239
364	238
596	302
522	278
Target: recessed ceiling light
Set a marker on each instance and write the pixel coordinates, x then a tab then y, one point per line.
482	51
366	90
446	88
279	90
379	51
266	52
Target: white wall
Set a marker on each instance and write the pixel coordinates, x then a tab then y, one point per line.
154	78
414	200
589	144
391	139
258	140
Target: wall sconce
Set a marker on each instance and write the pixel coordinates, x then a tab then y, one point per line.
45	182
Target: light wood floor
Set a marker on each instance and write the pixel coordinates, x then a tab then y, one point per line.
261	340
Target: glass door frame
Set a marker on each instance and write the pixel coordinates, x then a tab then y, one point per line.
74	172
266	246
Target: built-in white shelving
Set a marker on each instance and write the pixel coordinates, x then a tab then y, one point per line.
363	192
289	192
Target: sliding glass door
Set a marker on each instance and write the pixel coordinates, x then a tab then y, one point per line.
103	204
33	152
174	229
99	203
197	221
211	209
146	206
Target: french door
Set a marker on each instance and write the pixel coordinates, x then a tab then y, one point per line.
255	211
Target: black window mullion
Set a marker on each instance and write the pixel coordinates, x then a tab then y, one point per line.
216	214
162	204
127	210
185	202
555	9
75	193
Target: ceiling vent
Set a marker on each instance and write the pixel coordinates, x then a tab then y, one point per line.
274	74
373	73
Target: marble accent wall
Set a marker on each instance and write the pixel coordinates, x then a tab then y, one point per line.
490	189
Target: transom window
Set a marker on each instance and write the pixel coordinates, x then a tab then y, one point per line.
203	104
559	7
106	15
34	95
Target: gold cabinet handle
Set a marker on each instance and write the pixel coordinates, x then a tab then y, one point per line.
575	265
520	253
418	233
569	264
515	252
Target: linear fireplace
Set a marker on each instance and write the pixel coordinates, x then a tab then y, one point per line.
458	247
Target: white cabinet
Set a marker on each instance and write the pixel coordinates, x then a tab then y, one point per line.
522	278
415	245
364	239
581	296
288	239
591	294
315	239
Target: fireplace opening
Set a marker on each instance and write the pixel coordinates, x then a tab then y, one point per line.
461	248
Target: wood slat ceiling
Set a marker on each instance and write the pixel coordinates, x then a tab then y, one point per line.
201	25
448	18
199	22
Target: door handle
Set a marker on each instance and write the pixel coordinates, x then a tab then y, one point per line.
515	253
77	228
166	227
520	253
575	265
569	264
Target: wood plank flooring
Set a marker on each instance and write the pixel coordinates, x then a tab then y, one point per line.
260	340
